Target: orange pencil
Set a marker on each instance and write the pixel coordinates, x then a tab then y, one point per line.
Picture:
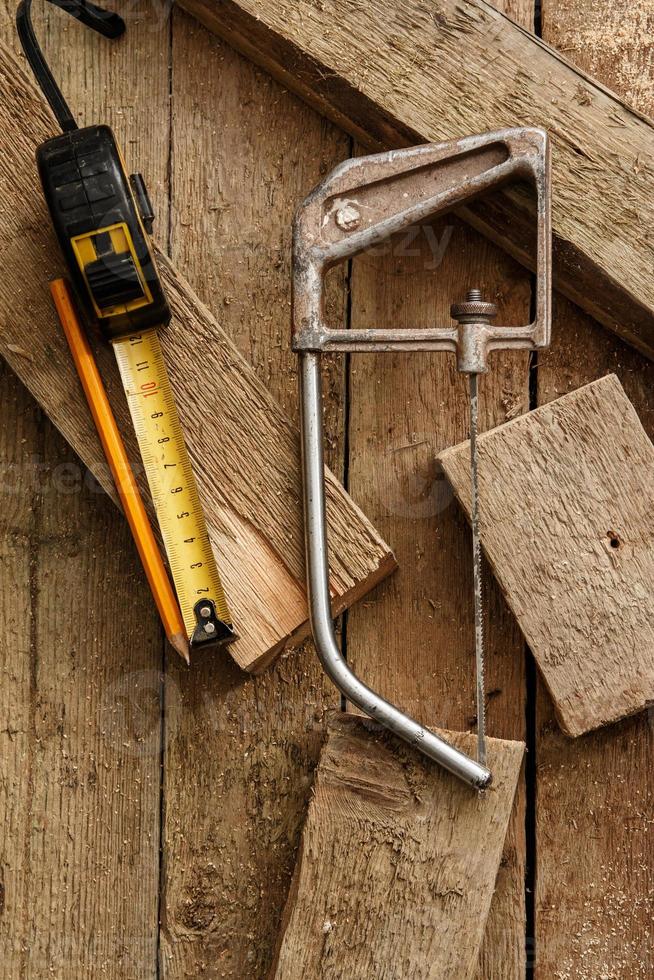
121	470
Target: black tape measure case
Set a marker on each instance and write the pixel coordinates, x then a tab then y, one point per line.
102	219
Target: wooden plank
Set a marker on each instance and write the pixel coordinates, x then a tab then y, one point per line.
395	73
241	750
398	861
567	528
404	410
19	440
594	907
593	912
244	450
81	644
93	836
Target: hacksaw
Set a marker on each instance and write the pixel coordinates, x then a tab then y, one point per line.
359	205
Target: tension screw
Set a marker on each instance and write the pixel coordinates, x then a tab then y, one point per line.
473	308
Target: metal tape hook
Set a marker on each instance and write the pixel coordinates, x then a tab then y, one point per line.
359	205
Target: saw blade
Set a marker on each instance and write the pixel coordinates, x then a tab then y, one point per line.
477	573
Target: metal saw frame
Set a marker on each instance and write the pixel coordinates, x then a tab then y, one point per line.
359	205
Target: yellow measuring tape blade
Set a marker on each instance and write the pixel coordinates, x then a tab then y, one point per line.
170	476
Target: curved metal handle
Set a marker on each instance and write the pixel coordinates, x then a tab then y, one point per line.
336	667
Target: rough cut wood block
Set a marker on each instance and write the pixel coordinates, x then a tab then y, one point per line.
397	72
568	527
244	450
397	863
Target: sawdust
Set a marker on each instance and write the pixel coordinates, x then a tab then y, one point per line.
610	944
612	41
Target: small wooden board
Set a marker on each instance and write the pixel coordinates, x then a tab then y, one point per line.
567	525
244	450
398	860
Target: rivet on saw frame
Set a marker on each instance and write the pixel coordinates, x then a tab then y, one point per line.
348	217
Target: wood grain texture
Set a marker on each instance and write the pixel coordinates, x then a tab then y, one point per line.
91	859
80	741
244	450
19	438
394	73
398	861
413	639
595	849
241	750
594	901
567	527
80	642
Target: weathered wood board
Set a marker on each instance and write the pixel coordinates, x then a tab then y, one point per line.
241	750
397	863
80	640
568	528
244	450
79	729
395	73
594	903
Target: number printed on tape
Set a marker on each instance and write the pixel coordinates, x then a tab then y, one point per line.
169	473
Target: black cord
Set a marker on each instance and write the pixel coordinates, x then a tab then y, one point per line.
103	21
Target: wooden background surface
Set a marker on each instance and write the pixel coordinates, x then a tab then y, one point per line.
150	814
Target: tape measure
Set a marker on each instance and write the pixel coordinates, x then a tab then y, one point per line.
173	488
103	219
